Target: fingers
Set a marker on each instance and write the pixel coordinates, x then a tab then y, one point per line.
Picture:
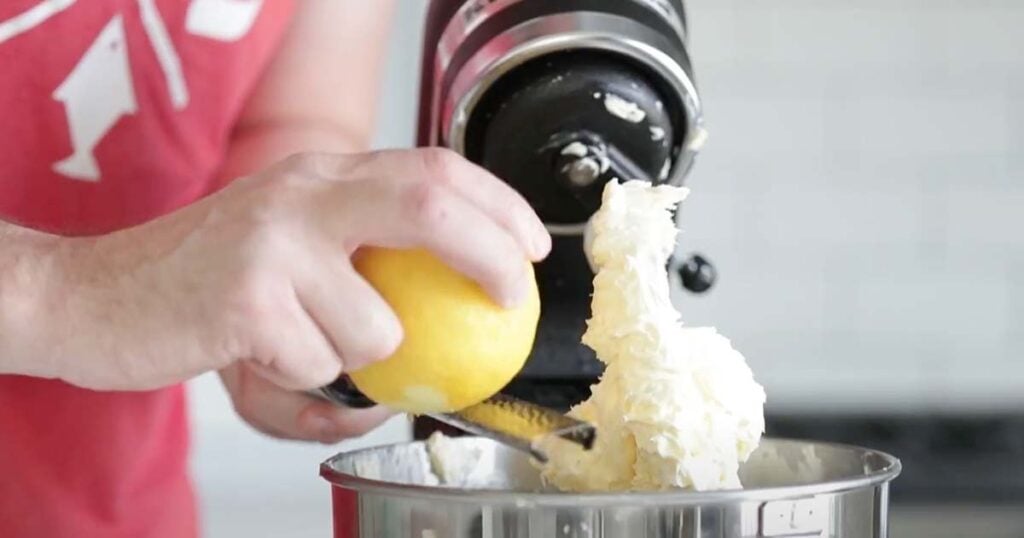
293	415
292	351
354	317
431	199
430	216
328	423
427	198
493	196
440	167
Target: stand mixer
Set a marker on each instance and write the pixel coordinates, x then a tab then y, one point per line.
556	98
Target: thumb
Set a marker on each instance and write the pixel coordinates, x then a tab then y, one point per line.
292	415
294	353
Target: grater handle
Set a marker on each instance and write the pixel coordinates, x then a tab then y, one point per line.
344	393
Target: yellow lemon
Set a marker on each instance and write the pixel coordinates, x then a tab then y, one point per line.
460	347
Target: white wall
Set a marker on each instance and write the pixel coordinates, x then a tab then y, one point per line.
862	196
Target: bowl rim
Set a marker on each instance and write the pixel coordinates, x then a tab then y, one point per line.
885	474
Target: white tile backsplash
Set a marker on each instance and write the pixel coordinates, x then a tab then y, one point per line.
798	306
770	125
804	219
961	308
986	217
985	34
848	34
719	211
926	125
872	156
1014	337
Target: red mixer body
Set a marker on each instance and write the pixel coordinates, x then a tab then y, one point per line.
439	14
345	505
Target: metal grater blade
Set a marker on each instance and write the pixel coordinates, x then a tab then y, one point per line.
519	424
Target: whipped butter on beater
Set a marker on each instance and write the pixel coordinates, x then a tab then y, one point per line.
677	407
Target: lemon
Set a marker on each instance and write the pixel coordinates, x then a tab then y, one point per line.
460	347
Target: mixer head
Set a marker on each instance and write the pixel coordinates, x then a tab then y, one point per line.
559	127
557	98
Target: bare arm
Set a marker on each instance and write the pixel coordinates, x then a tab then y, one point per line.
26	288
257	277
320	92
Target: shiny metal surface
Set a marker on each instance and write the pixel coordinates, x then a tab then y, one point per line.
510	421
468	18
519	424
471	14
793	488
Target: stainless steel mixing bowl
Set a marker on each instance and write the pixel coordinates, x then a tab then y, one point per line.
792	489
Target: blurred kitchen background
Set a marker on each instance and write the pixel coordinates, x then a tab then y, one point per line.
862	196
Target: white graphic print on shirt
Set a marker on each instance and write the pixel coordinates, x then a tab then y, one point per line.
32	17
95	95
223	20
98	91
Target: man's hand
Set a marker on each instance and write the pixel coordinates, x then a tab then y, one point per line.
288	414
261	272
316	95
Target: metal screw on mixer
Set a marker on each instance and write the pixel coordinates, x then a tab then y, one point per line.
697	274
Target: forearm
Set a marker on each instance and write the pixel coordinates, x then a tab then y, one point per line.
320	91
29	284
37	310
256	146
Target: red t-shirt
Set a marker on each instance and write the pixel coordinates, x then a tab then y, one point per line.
112	112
